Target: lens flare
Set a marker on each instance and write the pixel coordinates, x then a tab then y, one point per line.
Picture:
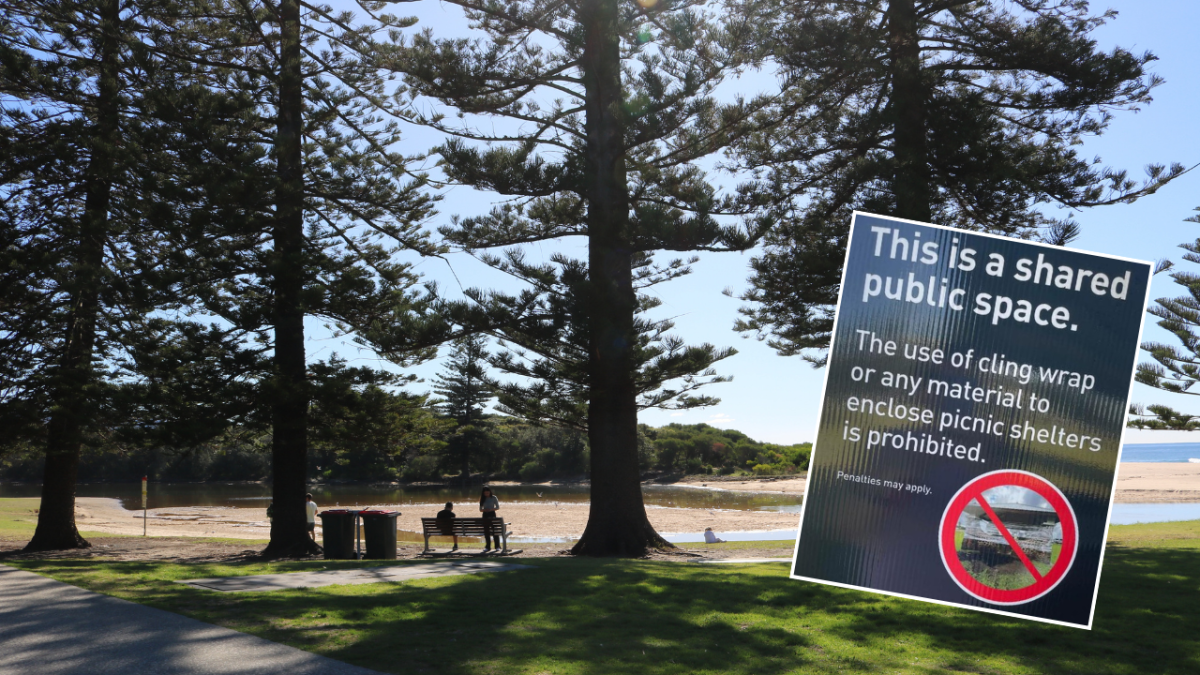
647	4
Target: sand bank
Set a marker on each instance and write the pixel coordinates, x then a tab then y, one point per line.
1136	483
786	485
1158	482
527	520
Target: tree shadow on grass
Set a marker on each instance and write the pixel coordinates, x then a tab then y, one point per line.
609	616
1146	621
572	615
581	616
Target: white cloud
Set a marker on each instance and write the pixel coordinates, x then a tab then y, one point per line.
720	420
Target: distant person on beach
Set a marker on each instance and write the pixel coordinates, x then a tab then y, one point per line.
710	537
444	517
310	507
271	512
487	506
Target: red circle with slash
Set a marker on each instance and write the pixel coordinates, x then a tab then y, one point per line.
1043	583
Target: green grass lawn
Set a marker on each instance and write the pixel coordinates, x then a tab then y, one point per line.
593	617
18	519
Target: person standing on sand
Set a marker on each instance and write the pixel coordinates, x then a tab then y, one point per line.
444	517
488	504
310	508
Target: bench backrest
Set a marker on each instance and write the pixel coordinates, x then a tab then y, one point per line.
463	527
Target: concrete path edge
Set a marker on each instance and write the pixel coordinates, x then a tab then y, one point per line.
51	628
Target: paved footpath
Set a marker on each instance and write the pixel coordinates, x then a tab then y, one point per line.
51	628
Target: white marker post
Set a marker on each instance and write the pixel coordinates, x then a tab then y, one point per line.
143	506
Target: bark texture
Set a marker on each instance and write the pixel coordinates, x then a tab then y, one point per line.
290	394
911	148
617	522
70	412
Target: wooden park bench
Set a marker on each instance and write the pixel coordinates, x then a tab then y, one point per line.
464	527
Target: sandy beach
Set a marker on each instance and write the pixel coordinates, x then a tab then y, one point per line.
1158	483
788	485
96	514
1136	483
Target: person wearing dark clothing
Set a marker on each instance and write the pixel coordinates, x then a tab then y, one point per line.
488	504
445	516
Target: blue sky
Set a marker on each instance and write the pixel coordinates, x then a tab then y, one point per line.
774	398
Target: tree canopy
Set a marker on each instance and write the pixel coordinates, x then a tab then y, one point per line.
97	167
964	113
1173	368
334	225
606	108
186	187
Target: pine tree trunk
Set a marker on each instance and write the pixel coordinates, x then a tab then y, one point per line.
68	417
465	459
910	147
290	396
465	473
617	523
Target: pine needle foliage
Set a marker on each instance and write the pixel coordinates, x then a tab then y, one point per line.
333	224
590	118
465	389
966	113
1173	368
101	161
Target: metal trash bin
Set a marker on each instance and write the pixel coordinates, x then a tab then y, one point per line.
379	533
338	534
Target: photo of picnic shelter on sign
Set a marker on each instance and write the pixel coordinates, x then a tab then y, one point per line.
971	422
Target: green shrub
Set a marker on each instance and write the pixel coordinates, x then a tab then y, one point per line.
422	467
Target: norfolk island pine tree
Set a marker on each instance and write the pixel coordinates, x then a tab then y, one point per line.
465	389
341	210
965	114
99	167
1173	368
618	101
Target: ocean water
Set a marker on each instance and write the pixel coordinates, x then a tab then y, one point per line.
1130	514
1160	452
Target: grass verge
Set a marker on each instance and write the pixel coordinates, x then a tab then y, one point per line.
18	519
595	617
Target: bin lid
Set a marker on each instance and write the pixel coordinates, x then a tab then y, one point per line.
336	511
380	513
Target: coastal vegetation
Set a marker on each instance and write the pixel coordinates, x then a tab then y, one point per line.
190	189
500	448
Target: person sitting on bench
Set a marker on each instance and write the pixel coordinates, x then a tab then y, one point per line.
444	517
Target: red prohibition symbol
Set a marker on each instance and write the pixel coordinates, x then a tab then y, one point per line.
973	492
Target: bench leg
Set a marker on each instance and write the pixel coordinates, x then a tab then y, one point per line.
504	538
426	544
